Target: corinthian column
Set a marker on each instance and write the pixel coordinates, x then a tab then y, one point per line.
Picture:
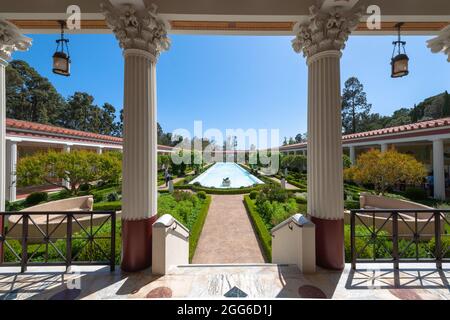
11	40
142	36
441	43
321	40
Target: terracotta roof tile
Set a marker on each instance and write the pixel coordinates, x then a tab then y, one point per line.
51	131
392	130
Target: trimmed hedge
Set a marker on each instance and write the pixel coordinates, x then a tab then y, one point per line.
105	206
36	198
264	235
198	227
218	190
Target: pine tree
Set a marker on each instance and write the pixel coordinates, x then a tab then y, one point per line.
354	105
446	107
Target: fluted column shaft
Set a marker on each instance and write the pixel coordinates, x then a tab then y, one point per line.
139	144
325	187
325	168
438	169
352	154
11	164
3	65
139	172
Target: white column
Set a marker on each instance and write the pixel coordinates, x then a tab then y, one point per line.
321	40
64	182
352	154
2	135
142	35
99	150
441	43
438	169
384	147
139	189
11	164
10	40
325	172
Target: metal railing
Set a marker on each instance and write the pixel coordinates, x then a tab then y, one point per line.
30	242
399	236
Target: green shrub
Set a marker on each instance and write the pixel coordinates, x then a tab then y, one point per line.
98	197
382	244
85	187
295	163
301	200
351	204
113	196
253	194
107	206
262	231
201	194
346	161
188	179
14	206
36	198
273	193
416	194
197	227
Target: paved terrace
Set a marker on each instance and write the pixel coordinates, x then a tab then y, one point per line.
413	281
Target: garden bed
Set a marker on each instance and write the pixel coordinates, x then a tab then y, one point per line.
189	209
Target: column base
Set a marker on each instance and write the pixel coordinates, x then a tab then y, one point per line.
137	244
329	243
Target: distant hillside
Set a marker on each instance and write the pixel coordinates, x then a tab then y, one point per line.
431	108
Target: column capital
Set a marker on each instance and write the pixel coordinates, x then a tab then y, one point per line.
441	43
327	29
11	40
137	28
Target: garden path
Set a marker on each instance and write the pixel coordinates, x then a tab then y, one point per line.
288	185
228	235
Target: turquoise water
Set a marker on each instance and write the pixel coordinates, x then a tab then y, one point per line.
239	177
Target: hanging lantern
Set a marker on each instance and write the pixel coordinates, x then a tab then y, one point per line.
399	61
61	58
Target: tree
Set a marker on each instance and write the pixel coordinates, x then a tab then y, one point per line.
446	107
107	117
400	117
354	105
77	167
385	169
299	138
295	163
31	97
285	141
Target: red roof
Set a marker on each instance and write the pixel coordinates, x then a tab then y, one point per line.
407	128
27	128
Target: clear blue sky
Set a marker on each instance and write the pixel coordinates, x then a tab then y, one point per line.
241	81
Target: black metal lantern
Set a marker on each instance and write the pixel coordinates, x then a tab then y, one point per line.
399	61
61	58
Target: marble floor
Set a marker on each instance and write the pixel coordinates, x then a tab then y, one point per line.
413	281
